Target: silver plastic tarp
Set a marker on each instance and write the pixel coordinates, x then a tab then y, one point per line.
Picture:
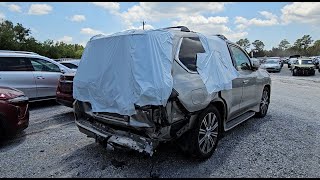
215	65
123	69
134	67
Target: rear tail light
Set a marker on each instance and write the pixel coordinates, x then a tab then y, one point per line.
21	104
62	78
22	110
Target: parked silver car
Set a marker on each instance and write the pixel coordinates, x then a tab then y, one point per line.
271	65
191	116
35	75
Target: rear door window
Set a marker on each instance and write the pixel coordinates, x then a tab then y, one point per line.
43	65
190	46
15	64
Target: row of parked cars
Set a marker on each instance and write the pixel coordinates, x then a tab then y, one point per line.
298	65
25	77
191	116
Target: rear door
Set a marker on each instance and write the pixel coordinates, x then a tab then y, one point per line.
47	76
17	72
248	78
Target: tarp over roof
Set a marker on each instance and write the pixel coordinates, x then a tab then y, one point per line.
123	69
131	68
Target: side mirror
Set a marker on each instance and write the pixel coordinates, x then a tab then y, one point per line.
255	65
62	71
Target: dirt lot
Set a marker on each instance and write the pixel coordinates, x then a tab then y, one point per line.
286	143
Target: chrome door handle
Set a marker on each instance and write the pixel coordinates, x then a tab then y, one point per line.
245	81
40	77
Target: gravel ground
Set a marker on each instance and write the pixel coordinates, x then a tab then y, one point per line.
286	143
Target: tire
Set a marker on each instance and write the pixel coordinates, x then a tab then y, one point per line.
2	131
102	142
294	72
264	103
313	73
204	137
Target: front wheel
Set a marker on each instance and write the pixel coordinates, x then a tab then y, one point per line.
205	135
264	103
313	73
294	72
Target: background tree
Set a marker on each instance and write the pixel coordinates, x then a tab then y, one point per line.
244	43
258	48
18	38
301	45
284	44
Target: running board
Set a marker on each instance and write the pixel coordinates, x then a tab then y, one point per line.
236	121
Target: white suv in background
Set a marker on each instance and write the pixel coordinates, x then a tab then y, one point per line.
37	76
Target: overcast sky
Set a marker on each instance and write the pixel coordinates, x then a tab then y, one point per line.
73	22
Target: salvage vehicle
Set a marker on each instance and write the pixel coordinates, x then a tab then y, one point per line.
271	65
64	90
14	112
303	66
35	75
164	85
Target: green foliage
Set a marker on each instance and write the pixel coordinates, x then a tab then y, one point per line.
284	44
18	38
244	43
302	46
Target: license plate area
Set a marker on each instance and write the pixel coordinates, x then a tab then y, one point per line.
113	117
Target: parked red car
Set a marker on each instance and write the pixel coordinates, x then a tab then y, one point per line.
14	112
64	90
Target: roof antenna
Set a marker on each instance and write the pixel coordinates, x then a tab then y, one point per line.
143	23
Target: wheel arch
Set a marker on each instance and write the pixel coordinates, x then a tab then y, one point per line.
222	108
269	88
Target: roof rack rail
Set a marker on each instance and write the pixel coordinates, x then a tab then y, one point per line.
22	52
222	36
95	36
182	28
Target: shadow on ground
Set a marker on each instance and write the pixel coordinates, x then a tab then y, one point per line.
42	104
168	161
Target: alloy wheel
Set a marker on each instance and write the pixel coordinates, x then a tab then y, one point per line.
264	102
208	133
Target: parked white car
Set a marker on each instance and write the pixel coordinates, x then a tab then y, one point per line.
37	76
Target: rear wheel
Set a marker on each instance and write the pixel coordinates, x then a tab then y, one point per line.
264	103
203	138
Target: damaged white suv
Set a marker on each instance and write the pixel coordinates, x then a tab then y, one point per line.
138	88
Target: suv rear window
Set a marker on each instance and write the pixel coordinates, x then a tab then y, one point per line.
15	64
190	46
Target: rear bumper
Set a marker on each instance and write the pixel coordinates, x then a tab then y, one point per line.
273	69
10	121
302	71
127	139
65	99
